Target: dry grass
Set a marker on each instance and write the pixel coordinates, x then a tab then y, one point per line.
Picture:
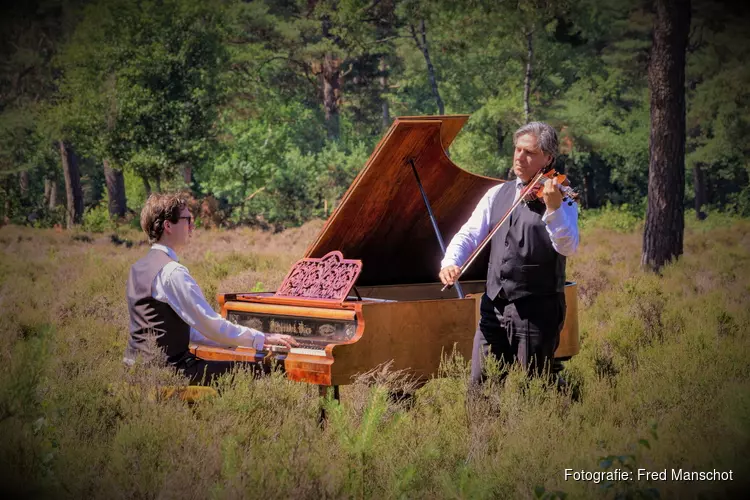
671	350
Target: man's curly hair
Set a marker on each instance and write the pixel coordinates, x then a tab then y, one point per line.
160	207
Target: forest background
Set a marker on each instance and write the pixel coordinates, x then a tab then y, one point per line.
266	110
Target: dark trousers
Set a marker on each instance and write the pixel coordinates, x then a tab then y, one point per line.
203	372
526	331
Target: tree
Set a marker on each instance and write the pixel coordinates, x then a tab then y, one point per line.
420	40
142	85
30	36
665	221
115	181
718	86
605	110
73	191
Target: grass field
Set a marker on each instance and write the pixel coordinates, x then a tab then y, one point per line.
663	375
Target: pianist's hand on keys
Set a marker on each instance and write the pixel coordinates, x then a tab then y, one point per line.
283	340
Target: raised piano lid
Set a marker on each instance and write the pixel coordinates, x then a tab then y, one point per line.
382	219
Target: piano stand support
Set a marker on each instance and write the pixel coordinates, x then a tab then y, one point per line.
325	391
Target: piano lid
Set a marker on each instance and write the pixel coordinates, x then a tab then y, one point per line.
382	219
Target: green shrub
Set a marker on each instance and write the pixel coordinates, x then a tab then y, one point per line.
622	218
96	219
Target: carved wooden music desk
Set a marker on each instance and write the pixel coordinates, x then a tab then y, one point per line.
366	291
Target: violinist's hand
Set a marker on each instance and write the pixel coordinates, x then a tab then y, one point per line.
278	339
552	195
449	274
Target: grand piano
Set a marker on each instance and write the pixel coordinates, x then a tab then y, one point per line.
366	291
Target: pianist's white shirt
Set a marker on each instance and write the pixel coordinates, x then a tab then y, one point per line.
174	285
561	225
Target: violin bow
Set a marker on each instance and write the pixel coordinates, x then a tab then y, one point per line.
525	191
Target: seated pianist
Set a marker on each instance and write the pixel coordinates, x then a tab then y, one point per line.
167	305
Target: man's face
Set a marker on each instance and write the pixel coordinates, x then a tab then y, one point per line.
182	229
528	159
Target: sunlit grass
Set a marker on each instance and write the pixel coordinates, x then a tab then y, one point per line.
669	351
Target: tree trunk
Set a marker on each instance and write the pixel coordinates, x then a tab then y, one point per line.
158	183
23	184
115	181
146	185
51	202
589	196
245	182
73	191
527	79
499	137
7	205
47	191
187	175
699	183
665	217
422	45
50	193
383	67
331	91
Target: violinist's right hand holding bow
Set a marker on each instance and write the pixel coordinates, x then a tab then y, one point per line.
449	274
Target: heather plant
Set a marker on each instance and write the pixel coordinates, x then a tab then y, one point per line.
670	349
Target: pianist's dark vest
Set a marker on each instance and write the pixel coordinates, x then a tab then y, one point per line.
149	317
522	260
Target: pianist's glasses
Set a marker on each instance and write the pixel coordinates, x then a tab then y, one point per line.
189	219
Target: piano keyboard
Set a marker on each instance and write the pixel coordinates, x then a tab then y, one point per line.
311	345
308	351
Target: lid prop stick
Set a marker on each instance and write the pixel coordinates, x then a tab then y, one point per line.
432	219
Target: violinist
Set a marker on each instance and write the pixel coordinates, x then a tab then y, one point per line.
523	307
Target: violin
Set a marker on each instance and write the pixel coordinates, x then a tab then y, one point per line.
535	191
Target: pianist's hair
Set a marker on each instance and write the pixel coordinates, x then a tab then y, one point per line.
160	207
546	137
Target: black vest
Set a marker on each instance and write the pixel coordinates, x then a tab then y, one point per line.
152	318
522	260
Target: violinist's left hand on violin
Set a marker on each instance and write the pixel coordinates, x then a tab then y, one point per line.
552	195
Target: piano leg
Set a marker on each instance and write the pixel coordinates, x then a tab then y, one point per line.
325	391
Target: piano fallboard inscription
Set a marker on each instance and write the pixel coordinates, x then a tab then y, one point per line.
306	329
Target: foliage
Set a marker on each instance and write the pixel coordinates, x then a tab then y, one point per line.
96	219
623	218
232	95
142	83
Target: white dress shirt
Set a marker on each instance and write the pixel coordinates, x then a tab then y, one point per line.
561	225
174	285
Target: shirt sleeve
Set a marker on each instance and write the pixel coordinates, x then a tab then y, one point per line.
467	239
562	227
184	295
198	338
